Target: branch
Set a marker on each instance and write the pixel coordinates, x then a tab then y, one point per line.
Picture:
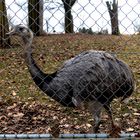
108	6
72	2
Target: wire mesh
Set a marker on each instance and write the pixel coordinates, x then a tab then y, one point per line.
83	55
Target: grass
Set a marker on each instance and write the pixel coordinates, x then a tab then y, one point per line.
50	52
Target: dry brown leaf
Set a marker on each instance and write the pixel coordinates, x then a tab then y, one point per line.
136	114
130	129
18	115
14	93
115	132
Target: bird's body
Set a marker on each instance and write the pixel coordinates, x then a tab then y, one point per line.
92	77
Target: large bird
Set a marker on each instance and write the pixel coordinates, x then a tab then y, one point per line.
92	78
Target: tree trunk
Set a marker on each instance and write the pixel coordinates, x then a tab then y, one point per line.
68	16
113	12
68	21
4	25
35	16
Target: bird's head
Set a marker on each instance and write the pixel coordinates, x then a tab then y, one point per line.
21	31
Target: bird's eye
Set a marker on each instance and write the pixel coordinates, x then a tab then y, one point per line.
21	29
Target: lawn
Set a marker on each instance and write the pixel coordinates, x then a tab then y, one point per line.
24	109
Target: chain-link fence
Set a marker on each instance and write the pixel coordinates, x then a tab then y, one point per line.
85	57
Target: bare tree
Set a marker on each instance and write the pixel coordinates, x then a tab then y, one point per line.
4	26
68	16
35	16
113	12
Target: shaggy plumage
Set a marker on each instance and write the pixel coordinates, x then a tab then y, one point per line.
93	78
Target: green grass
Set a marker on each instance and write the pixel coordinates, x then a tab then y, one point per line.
50	52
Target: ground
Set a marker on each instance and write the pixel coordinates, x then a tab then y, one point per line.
24	109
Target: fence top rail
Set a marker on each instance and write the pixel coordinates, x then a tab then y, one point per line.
65	136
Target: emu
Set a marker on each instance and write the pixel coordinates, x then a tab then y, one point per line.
92	78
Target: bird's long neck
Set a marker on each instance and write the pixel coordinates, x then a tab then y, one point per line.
38	76
44	81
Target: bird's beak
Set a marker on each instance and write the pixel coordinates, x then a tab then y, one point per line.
12	32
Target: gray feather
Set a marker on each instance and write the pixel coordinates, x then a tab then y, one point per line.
93	75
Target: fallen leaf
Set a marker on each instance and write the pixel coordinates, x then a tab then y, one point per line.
88	125
115	132
130	129
14	93
136	114
18	115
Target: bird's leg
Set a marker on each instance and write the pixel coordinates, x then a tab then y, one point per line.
97	122
77	102
95	108
115	130
109	112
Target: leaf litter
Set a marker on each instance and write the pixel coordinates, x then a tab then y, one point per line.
25	110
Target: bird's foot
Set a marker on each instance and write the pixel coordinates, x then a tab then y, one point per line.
95	129
115	131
